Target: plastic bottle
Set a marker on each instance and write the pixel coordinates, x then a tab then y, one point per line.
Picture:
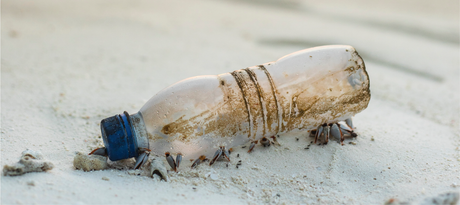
197	115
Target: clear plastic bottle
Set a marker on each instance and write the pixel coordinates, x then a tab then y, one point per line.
197	115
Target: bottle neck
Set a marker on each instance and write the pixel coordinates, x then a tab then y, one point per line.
140	132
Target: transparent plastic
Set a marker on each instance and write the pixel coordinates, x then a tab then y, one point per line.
299	91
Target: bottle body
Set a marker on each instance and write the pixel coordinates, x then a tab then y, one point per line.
299	91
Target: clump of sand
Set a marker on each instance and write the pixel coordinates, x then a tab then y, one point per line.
87	162
31	161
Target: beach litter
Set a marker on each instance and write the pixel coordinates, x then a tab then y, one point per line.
31	161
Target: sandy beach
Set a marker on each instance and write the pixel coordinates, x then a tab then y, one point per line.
66	65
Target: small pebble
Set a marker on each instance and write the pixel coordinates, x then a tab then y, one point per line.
105	178
31	183
134	172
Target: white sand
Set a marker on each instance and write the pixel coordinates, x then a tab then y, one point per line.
67	65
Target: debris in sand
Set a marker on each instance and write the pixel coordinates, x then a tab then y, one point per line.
135	172
31	161
31	183
157	167
449	198
395	202
89	162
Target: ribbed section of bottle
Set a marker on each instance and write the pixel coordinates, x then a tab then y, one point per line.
259	96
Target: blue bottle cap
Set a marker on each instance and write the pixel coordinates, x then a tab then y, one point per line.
119	138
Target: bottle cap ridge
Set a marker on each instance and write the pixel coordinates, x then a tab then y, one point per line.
119	138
